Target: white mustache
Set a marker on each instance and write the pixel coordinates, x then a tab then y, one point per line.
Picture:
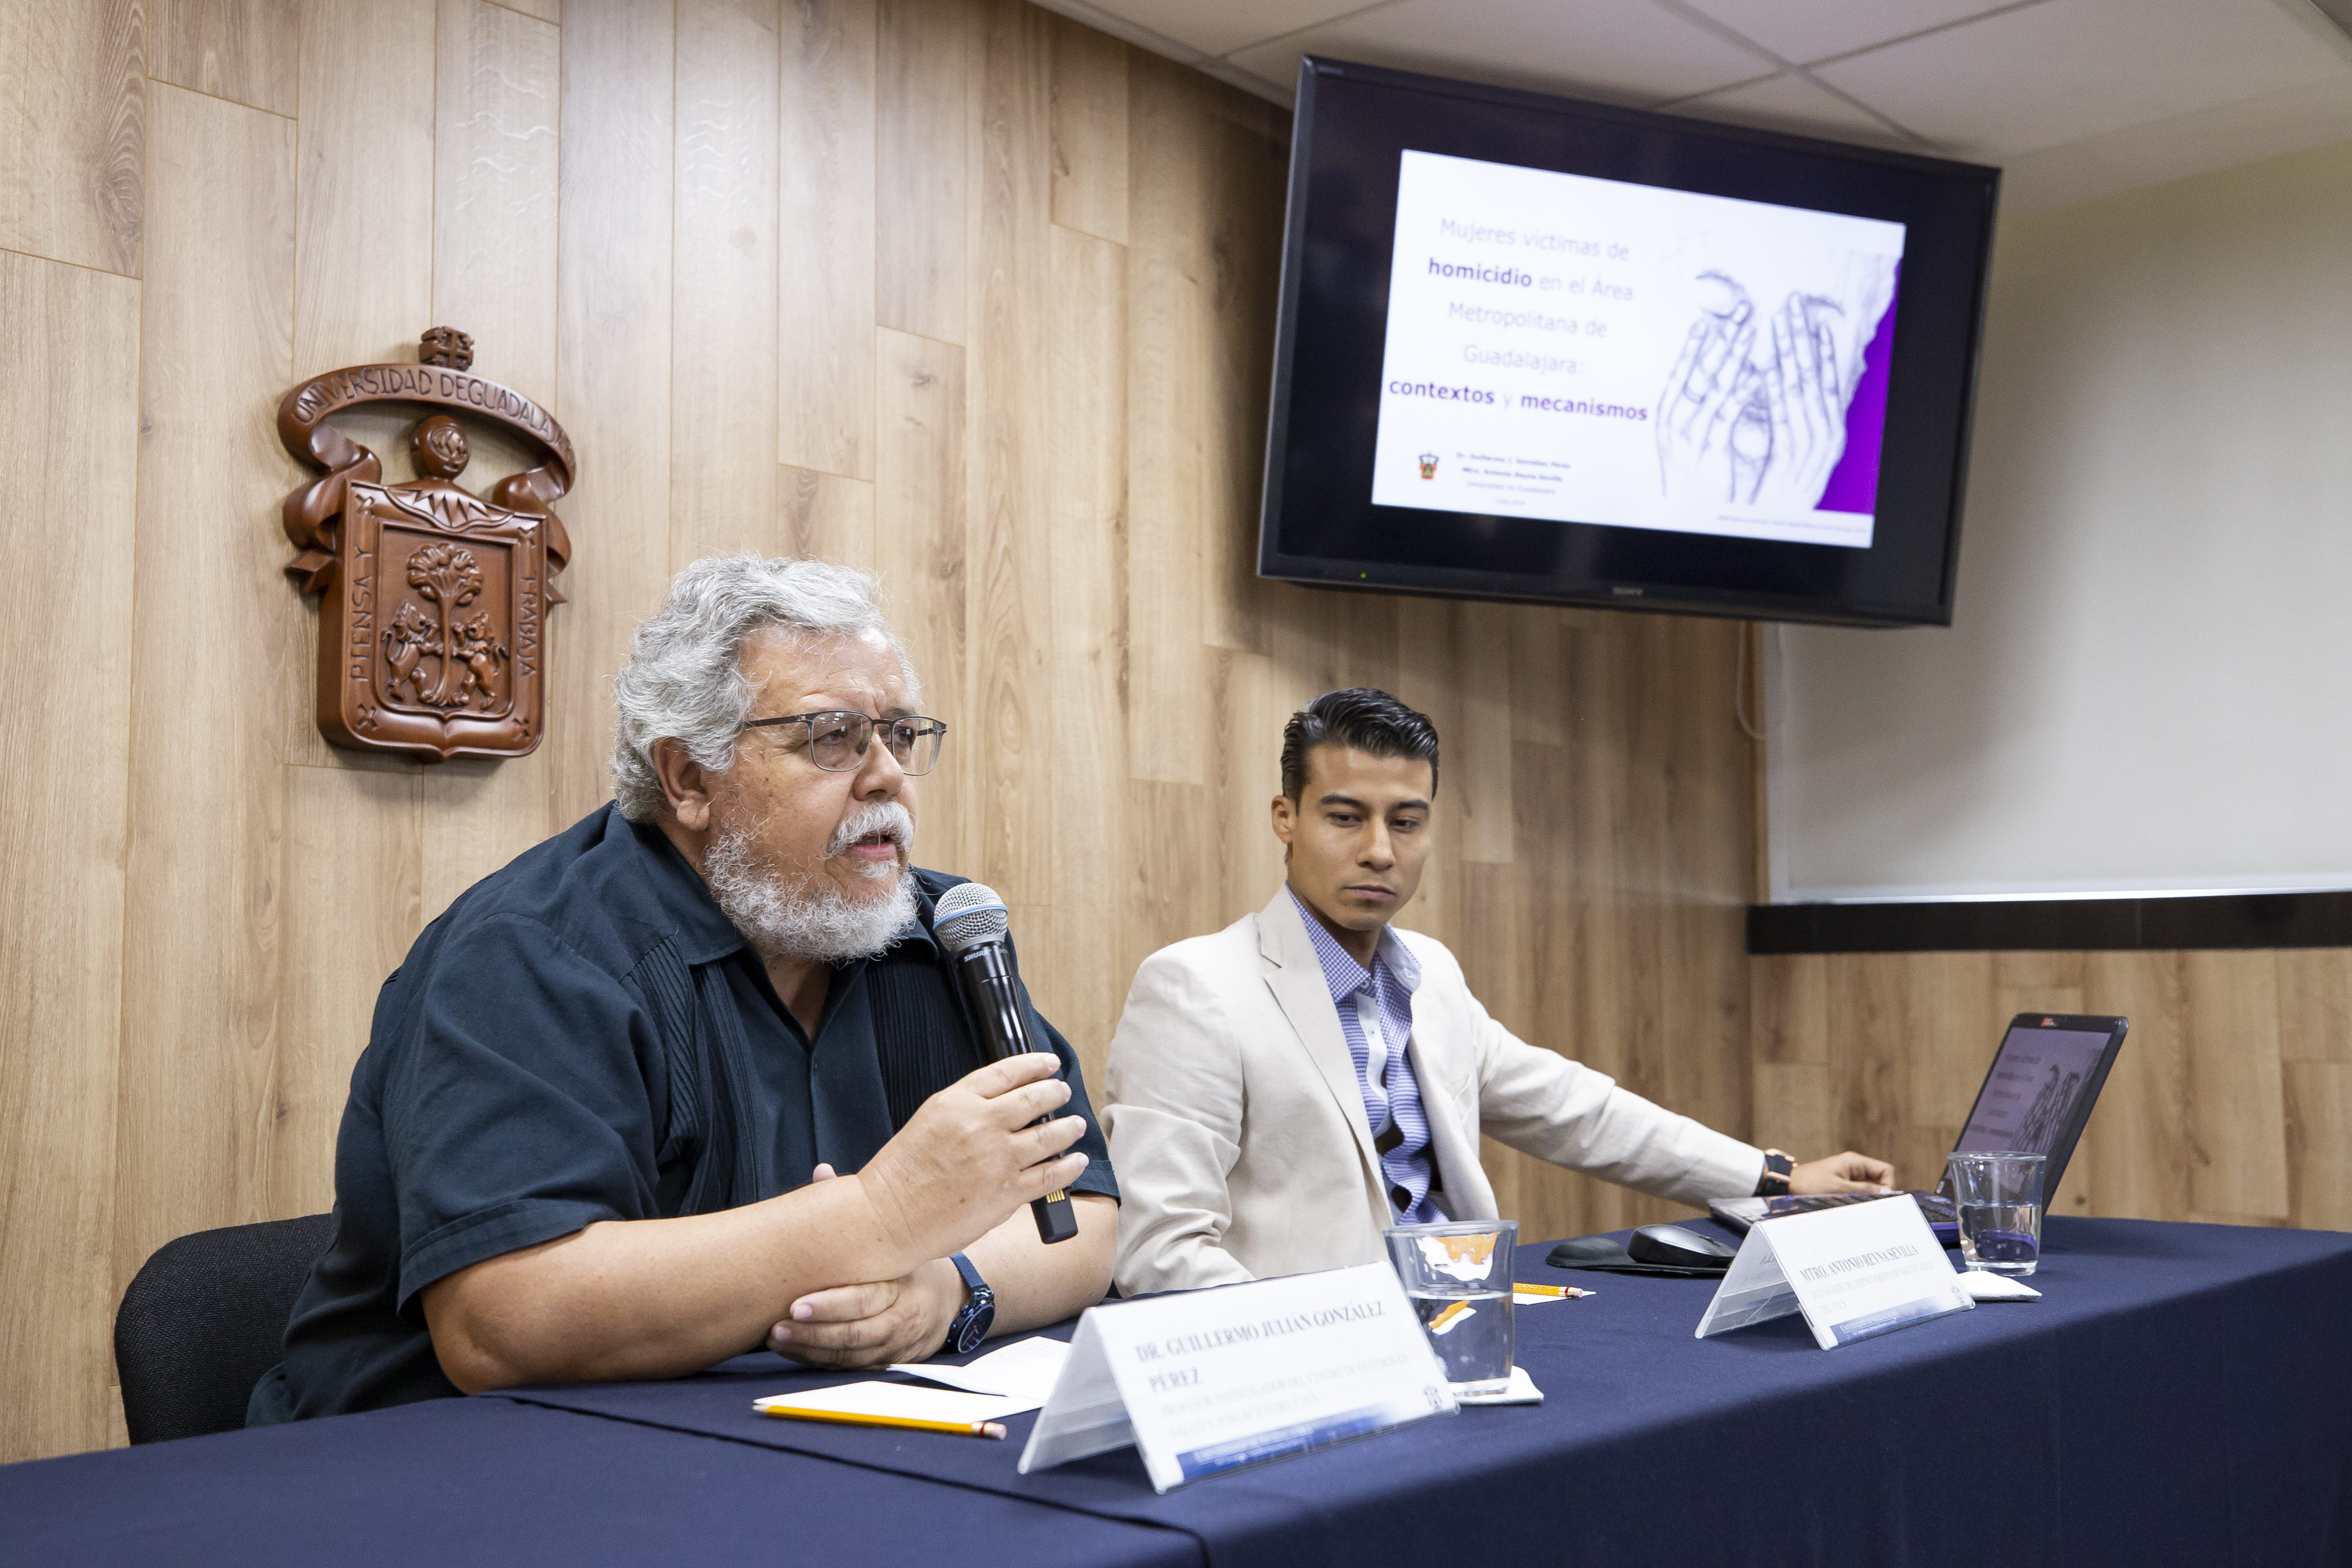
887	817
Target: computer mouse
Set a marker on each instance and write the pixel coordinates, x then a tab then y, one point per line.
1678	1244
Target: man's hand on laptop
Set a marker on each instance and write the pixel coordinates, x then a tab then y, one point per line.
1846	1173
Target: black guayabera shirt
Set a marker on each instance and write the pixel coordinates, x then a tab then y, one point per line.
585	1036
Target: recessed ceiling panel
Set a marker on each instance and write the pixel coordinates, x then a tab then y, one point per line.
1619	51
1804	33
1791	103
1219	26
2070	68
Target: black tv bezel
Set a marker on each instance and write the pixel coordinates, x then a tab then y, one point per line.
1388	577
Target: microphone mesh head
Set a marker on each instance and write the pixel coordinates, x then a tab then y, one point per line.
967	914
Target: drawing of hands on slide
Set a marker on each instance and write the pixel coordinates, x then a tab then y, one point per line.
1753	420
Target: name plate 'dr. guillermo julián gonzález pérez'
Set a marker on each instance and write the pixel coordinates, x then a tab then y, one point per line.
1206	1381
432	601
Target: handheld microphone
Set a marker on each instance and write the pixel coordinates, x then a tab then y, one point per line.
971	923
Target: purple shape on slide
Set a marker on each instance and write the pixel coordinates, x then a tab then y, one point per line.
1854	483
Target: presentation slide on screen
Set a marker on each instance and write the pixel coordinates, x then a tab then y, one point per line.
2033	1089
1590	350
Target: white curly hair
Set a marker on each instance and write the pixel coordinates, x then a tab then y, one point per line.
683	680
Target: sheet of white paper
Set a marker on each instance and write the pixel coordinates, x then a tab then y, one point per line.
1987	1286
1025	1368
900	1400
1522	1390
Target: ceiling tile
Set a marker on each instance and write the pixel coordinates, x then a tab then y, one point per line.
1213	26
2066	70
1811	30
1619	51
2175	149
1789	102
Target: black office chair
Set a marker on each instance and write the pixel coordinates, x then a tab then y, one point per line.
204	1318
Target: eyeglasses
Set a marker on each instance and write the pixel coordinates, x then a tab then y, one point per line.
837	741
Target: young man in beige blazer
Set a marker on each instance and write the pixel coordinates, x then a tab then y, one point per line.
1281	1091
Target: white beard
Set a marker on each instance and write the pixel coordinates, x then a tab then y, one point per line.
808	917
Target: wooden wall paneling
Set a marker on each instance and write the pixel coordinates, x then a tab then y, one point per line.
2315	1007
72	128
69	398
1480	749
1170	838
827	516
2135	1150
2237	1113
363	243
1084	722
1167	661
1908	1043
1248	707
614	290
1246	183
1089	130
351	903
826	239
2319	1144
921	136
1788	1011
919	542
497	134
723	373
1007	796
497	128
242	50
199	1037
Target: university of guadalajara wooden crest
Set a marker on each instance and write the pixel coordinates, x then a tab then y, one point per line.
433	607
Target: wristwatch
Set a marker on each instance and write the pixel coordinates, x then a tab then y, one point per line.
1775	1182
971	1325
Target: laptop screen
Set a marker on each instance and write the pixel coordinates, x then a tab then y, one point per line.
2031	1096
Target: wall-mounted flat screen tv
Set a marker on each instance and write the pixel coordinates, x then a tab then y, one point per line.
1535	349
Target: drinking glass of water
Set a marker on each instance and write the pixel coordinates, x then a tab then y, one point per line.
1999	1195
1458	1277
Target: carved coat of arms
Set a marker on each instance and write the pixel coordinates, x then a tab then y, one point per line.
432	601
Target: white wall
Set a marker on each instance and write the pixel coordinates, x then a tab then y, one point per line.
2148	682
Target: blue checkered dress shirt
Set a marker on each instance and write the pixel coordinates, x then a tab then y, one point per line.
1387	988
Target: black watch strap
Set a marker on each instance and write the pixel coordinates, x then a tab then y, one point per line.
978	1315
1775	1182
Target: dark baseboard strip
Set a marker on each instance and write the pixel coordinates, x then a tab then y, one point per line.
2062	925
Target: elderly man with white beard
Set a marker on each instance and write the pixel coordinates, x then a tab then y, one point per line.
692	1078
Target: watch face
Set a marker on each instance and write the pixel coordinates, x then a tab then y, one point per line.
973	1322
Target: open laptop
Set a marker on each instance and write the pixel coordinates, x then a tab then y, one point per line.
2036	1096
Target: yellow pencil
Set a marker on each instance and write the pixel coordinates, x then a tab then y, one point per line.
1569	1290
849	1418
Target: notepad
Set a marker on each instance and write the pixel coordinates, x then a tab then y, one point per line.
1024	1369
899	1401
988	1388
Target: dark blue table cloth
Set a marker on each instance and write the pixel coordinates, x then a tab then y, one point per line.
489	1480
2181	1393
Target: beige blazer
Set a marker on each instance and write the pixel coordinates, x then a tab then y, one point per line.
1239	1135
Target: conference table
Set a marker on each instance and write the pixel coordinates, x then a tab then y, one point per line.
2180	1394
